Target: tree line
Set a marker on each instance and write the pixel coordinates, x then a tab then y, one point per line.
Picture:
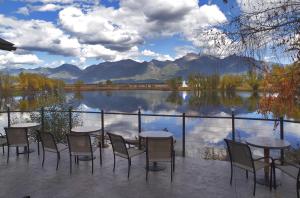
28	82
229	82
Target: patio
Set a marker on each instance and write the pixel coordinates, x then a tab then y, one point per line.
193	178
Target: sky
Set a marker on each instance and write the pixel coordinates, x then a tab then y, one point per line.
49	33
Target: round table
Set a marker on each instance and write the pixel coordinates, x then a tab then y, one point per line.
27	126
90	130
86	129
267	143
155	134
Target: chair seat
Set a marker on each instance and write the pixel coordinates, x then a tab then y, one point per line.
94	148
290	170
60	147
3	141
132	141
133	152
257	164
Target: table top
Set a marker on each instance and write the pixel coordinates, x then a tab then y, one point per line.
268	142
155	134
25	125
86	129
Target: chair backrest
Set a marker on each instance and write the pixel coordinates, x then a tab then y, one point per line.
159	148
239	153
118	144
16	136
79	143
48	140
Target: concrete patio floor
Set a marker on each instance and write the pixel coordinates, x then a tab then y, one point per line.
193	178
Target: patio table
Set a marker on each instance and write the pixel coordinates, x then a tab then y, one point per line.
267	143
155	134
90	130
27	126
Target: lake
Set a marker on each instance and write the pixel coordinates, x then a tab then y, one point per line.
204	137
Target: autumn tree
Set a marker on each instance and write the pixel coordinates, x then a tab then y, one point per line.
174	83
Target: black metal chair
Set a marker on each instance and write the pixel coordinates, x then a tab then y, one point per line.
160	149
289	168
80	145
3	142
241	156
17	137
49	144
120	149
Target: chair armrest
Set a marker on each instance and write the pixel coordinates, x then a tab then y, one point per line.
260	158
288	163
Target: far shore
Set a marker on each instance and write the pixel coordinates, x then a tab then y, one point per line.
132	86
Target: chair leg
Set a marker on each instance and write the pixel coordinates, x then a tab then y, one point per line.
231	172
271	178
58	159
129	165
70	164
38	146
17	150
7	154
92	164
3	149
297	188
28	153
114	163
173	161
43	158
274	177
147	170
247	174
171	172
254	187
100	151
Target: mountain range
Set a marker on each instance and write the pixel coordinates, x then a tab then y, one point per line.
153	71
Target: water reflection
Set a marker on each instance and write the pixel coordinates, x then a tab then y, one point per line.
204	137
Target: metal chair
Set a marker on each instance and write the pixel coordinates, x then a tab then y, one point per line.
17	137
81	145
120	149
3	142
241	156
49	144
160	149
289	168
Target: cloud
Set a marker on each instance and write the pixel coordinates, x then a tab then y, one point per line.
13	59
23	10
157	56
112	35
38	35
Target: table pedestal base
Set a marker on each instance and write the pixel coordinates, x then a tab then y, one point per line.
155	167
25	151
86	158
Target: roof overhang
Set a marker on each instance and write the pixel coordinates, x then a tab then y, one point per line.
5	45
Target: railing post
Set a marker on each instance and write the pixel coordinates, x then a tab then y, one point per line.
140	120
102	128
140	126
70	118
43	119
233	125
8	116
183	134
281	137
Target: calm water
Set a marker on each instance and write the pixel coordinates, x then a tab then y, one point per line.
204	137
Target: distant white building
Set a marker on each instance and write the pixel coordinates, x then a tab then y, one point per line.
184	84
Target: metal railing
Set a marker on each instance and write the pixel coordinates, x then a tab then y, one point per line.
139	115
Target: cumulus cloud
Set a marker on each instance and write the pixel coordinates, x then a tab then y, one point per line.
97	27
38	35
13	59
157	56
109	33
